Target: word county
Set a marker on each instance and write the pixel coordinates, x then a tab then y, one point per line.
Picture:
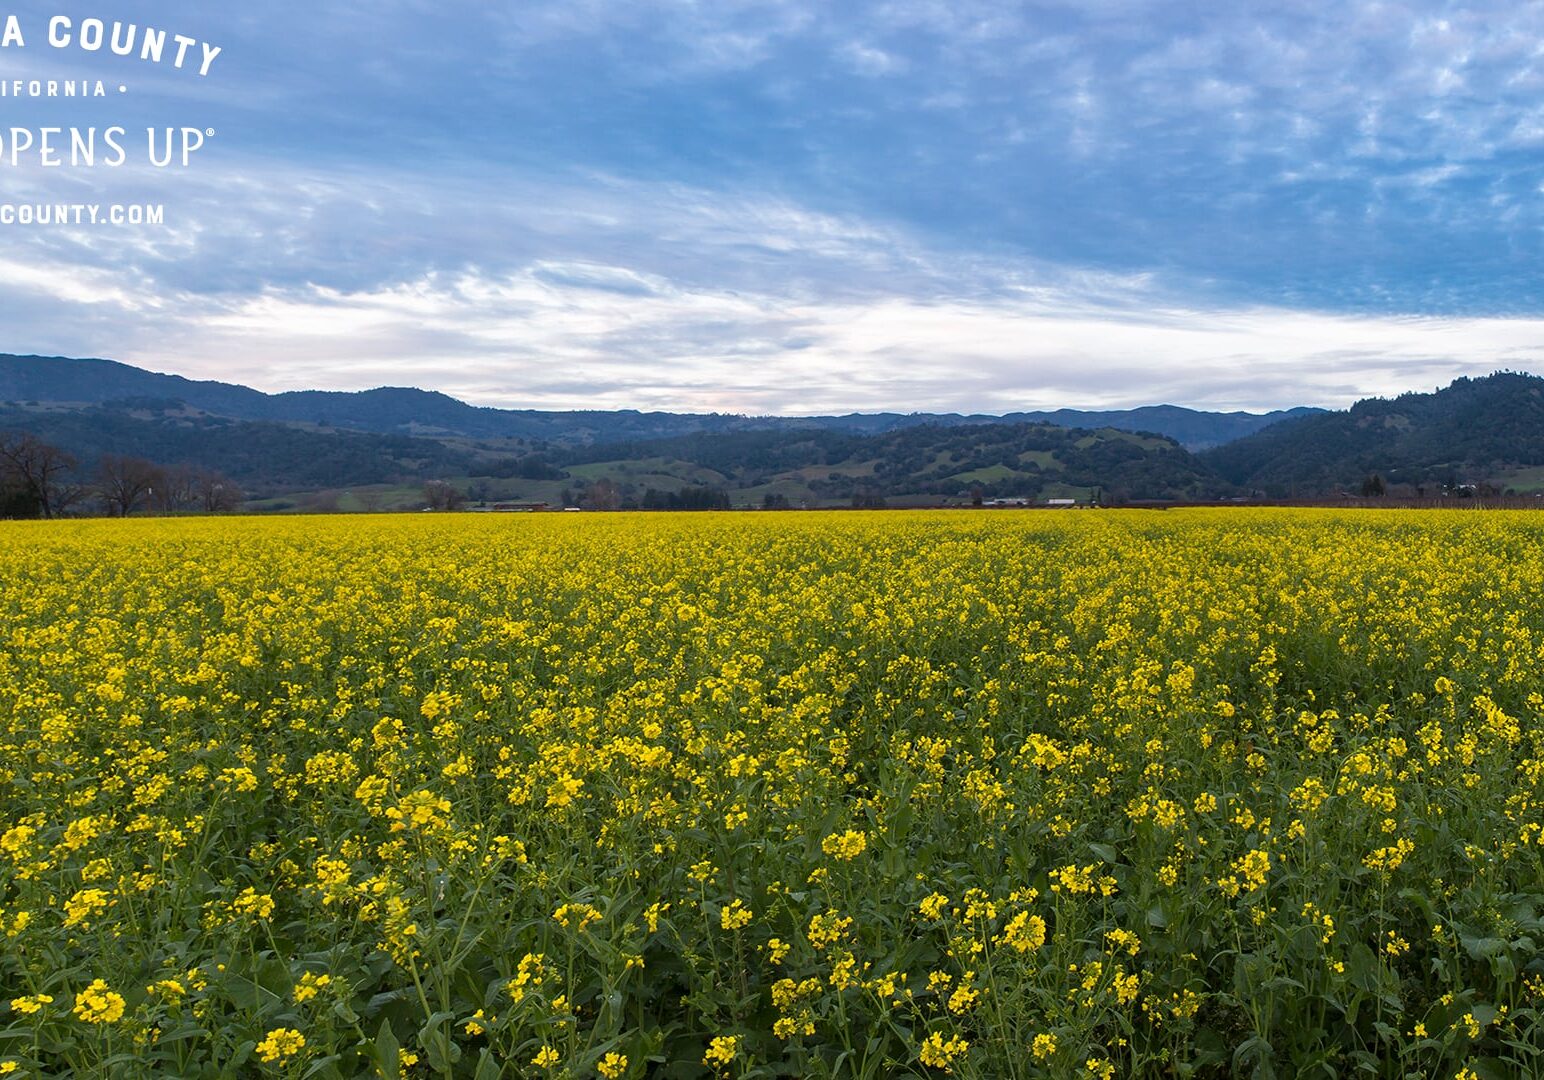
120	38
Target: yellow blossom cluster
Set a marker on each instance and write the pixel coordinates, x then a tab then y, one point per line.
1142	794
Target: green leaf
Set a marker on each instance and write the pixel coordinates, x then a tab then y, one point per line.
1502	967
488	1067
1482	948
388	1052
442	1051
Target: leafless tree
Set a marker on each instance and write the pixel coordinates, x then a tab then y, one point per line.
126	483
218	493
323	502
603	495
443	495
178	489
41	469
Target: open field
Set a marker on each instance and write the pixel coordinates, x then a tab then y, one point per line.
1115	794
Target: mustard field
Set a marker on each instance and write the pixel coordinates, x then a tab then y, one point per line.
1090	794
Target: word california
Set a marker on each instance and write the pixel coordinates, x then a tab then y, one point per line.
87	148
120	38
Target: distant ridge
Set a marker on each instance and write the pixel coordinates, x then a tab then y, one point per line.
1486	430
1475	437
408	411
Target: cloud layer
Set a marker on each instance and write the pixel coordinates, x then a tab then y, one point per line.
782	207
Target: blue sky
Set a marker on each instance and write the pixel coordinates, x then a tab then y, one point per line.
796	207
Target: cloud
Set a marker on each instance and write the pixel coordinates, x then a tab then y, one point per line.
552	336
778	205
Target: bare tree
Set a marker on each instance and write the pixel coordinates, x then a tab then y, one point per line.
126	483
178	489
323	502
443	495
41	470
604	495
218	493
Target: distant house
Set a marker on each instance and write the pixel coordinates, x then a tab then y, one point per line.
1061	502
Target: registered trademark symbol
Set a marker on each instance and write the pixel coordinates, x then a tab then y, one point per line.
209	131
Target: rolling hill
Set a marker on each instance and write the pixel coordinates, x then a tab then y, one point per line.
31	381
918	464
1475	431
928	464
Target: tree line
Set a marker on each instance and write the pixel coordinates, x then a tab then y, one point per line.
40	480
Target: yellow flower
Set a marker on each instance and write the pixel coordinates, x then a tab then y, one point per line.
437	703
1253	868
421	811
722	1051
963	998
17	841
169	990
576	916
1044	1046
940	1053
734	916
1024	932
332	880
845	846
31	1006
612	1065
1123	939
241	779
83	906
309	985
530	975
96	1004
827	929
545	1058
253	903
564	790
280	1045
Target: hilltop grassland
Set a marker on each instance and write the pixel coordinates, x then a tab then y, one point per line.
1208	793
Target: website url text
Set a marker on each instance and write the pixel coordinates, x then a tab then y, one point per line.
82	214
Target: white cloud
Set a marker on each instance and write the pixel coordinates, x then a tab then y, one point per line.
871	62
842	244
545	340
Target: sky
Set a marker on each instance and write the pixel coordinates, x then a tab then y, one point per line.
802	207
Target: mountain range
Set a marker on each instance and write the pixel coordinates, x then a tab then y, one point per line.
406	411
379	448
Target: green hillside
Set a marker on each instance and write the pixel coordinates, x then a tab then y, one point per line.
1476	431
